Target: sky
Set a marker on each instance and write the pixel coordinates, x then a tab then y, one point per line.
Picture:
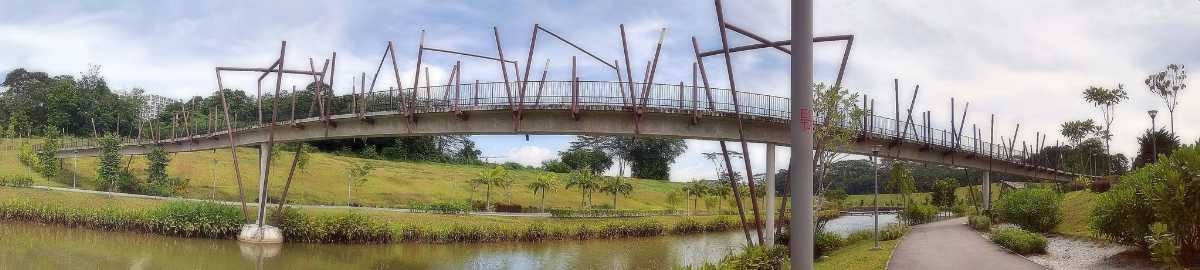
1025	61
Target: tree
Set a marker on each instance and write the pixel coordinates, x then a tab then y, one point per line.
586	159
108	173
1076	131
586	182
673	198
838	110
649	157
1161	140
156	171
616	186
901	181
543	183
1106	100
719	191
495	177
695	190
555	166
943	192
49	165
356	176
1167	84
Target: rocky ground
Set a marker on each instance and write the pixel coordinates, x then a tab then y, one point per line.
1078	253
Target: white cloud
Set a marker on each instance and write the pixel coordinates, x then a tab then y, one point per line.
529	155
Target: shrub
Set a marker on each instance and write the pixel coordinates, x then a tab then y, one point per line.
16	181
345	227
1081	182
1163	192
441	207
943	192
858	236
980	223
1034	209
1123	214
918	213
893	232
825	242
1163	248
205	219
757	257
1100	186
507	207
1020	241
962	209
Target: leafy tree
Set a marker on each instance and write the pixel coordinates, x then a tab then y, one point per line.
543	183
109	175
1167	84
1106	99
674	197
616	186
555	166
586	159
695	190
901	181
649	157
356	176
49	165
719	190
1161	140
156	170
1076	131
833	105
943	193
496	177
586	182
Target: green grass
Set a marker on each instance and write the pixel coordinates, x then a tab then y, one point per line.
859	256
897	200
331	225
391	184
1077	209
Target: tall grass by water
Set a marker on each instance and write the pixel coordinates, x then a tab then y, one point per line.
188	219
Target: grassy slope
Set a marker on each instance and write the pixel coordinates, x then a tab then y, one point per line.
1077	208
391	184
895	199
859	256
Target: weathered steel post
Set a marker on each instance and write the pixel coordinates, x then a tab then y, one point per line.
770	196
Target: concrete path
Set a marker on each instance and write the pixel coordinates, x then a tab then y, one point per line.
950	244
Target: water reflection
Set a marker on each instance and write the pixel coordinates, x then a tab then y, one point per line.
32	246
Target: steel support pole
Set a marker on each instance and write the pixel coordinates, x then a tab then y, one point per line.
770	196
801	186
875	199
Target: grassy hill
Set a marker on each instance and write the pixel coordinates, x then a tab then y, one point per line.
897	200
391	184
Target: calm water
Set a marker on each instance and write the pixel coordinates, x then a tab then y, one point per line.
847	224
33	246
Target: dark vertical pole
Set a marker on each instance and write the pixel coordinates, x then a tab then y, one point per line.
737	111
629	65
504	73
237	172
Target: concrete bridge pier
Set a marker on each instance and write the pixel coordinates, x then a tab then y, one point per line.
259	232
986	190
770	196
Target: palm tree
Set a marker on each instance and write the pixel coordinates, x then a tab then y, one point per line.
586	182
695	190
497	176
617	186
543	183
720	192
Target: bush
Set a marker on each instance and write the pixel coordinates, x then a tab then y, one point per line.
16	181
962	209
1163	192
980	223
345	227
893	232
1034	209
1020	241
1100	186
192	219
1081	182
825	242
507	207
943	193
858	236
918	213
441	207
1123	214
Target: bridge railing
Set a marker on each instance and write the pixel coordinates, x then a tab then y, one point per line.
585	95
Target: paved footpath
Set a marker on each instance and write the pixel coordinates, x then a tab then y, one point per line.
951	244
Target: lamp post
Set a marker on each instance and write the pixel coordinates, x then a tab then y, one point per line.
875	172
1153	137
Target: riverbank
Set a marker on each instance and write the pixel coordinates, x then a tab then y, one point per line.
190	219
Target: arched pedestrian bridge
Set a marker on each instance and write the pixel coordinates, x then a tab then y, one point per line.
576	108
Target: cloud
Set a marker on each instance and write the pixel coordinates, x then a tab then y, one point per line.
529	155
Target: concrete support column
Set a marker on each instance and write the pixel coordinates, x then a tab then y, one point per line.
770	196
264	170
800	184
987	190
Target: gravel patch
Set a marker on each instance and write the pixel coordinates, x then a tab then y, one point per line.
1077	253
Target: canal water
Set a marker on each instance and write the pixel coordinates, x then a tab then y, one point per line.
35	246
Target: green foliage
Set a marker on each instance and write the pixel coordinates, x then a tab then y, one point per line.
193	219
1020	241
156	170
825	242
1163	192
1163	247
441	207
47	164
189	219
16	181
980	223
496	177
893	232
109	173
1076	131
649	157
1034	209
943	193
616	186
1161	141
586	182
555	166
901	180
1081	182
343	227
586	159
917	213
696	190
544	182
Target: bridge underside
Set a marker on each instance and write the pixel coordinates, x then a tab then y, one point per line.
560	122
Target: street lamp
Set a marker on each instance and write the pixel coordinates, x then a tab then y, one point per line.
1153	138
875	172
